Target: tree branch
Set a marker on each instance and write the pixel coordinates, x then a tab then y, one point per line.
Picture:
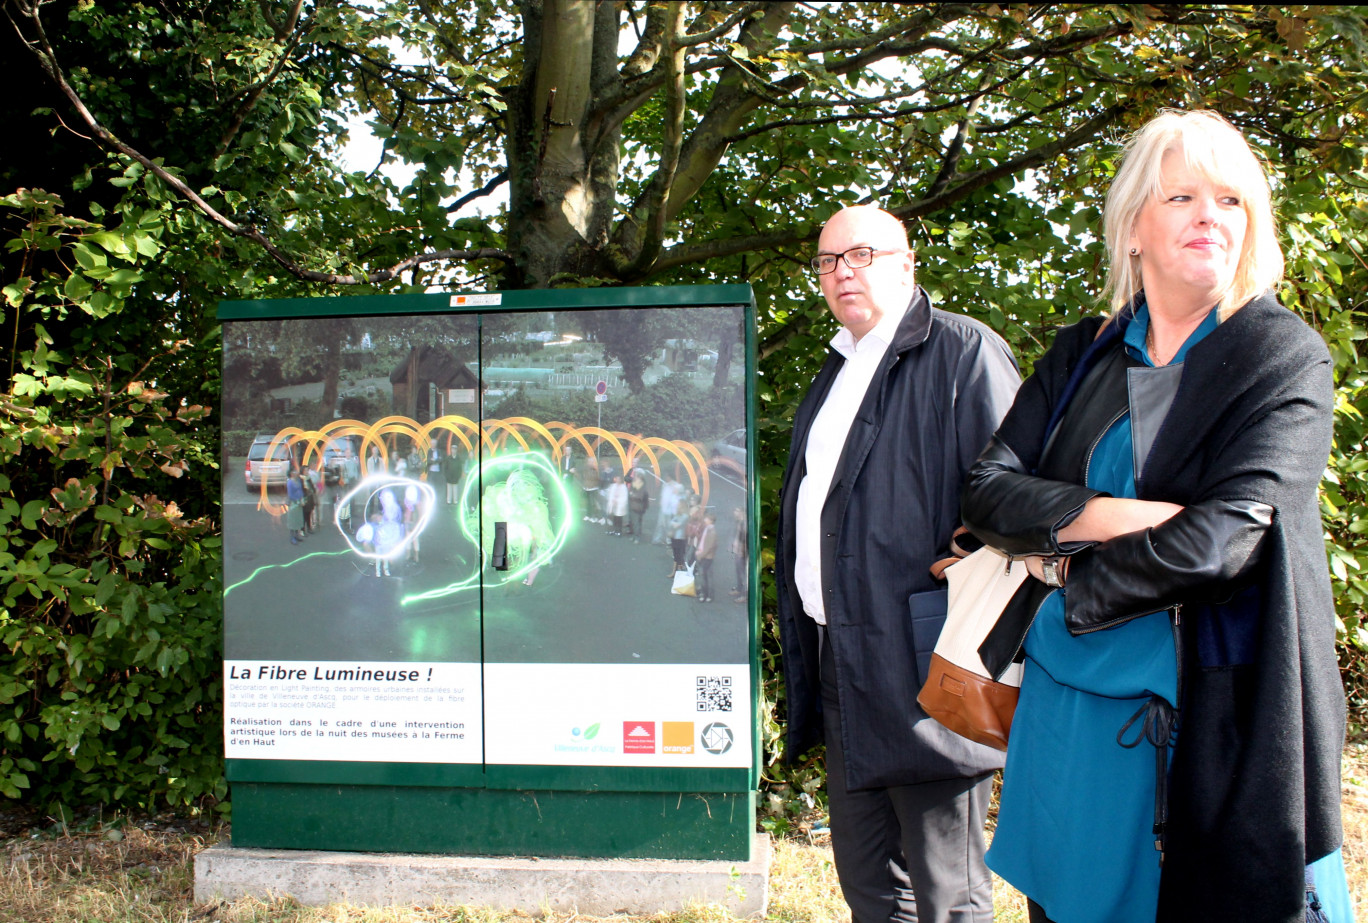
277	26
892	114
711	249
732	101
646	55
445	93
686	41
499	178
1026	116
385	144
254	92
652	213
950	162
800	323
919	23
1032	158
48	60
451	47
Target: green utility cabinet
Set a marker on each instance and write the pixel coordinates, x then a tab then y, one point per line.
477	642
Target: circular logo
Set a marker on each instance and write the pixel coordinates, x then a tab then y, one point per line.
716	738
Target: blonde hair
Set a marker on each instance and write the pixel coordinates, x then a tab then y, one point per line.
1215	150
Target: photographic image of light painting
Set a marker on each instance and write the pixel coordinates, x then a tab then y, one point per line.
525	487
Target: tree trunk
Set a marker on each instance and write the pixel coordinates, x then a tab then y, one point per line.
332	368
562	172
724	359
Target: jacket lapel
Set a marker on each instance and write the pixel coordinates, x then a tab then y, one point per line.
802	424
863	431
807	411
912	332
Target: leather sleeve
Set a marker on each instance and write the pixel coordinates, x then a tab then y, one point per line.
1271	462
1003	504
1016	512
1204	548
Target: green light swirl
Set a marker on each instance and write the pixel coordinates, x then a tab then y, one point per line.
266	567
511	499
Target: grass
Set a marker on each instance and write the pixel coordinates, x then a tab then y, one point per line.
121	872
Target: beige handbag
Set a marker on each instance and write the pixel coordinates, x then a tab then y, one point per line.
959	692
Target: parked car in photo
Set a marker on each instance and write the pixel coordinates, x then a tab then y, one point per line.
733	447
272	471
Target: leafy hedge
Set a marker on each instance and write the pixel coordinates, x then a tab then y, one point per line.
110	616
672	407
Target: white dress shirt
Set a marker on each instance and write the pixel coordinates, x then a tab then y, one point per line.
825	443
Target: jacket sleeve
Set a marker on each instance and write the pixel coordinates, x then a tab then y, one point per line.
986	382
1004	505
1016	512
1275	459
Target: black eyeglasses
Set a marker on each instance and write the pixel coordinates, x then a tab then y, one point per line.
855	258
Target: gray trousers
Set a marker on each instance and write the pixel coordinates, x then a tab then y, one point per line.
909	853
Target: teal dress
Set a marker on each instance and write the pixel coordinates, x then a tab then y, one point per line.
1074	829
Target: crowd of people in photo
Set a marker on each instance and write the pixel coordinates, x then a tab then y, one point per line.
619	501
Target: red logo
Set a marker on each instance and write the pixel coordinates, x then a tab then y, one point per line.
638	737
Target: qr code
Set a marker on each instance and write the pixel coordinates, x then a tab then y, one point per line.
714	693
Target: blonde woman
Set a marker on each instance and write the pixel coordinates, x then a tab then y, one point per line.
1175	752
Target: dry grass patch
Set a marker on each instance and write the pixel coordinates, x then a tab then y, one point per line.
116	874
124	873
803	886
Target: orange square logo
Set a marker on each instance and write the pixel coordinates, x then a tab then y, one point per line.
677	737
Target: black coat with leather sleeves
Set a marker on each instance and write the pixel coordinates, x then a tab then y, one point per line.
1254	778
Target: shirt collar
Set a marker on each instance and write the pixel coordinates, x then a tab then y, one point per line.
1137	333
882	334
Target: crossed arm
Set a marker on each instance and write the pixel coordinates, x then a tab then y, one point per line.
1105	518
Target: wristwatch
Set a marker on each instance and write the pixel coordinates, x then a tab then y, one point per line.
1053	568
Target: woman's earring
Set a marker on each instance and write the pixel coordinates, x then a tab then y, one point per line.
1135	251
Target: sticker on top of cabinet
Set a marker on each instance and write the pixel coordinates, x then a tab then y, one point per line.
462	301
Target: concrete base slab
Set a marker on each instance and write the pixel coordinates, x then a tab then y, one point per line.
597	887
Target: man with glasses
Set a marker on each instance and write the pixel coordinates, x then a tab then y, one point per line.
907	399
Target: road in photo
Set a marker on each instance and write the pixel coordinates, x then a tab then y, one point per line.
603	598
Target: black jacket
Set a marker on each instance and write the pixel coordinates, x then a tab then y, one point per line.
1254	781
944	384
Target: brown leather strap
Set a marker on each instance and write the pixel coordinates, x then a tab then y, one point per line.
956	552
938	568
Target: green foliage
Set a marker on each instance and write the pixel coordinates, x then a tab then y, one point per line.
1325	241
673	407
1026	259
993	129
236	442
109	619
